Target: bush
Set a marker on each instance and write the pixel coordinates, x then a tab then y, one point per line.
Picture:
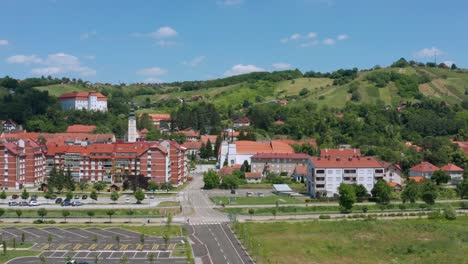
365	209
324	217
37	221
402	207
463	205
435	215
450	213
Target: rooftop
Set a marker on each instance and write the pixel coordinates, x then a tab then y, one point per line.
424	167
340	153
80	129
355	162
280	156
451	167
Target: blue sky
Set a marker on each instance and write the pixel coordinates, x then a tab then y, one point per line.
171	40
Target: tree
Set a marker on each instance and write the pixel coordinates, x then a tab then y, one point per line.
90	214
99	186
23	237
117	239
42	212
24	194
356	96
347	196
245	166
114	196
429	192
411	192
93	195
382	191
142	239
361	192
450	213
83	185
211	179
440	177
453	67
251	212
110	213
3	195
49	239
2	212
69	195
65	214
4	244
139	196
462	188
130	213
152	186
209	149
151	258
19	213
230	182
69	182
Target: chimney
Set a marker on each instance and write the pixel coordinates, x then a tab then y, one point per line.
338	159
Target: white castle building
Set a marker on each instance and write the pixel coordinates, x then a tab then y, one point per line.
83	100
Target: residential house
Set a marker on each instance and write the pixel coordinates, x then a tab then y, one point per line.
340	153
161	121
241	122
8	125
228	170
425	169
328	173
253	177
190	134
455	173
80	129
192	147
300	173
393	173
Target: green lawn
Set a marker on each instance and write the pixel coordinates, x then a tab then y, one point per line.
99	213
11	254
256	200
19	244
59	89
395	241
169	204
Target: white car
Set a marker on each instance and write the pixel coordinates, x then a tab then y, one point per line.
127	200
33	203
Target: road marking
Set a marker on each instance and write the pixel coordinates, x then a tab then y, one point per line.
44	247
139	247
155	247
62	246
77	247
92	246
108	246
171	246
28	232
221	226
124	247
54	234
75	234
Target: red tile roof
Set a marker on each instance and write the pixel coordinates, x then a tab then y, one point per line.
311	141
253	175
160	117
205	138
463	145
228	170
279	122
243	120
80	129
417	178
190	133
388	164
451	167
280	156
82	96
424	167
254	147
344	153
362	162
300	170
189	144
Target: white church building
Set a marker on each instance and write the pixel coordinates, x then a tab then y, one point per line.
92	101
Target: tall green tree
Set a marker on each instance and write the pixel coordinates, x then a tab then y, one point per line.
211	179
429	192
411	192
382	191
462	189
440	177
347	196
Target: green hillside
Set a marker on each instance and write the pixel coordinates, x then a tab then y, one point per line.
442	84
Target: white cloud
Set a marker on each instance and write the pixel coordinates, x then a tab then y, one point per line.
230	2
309	44
87	35
54	64
329	41
311	35
342	37
428	53
154	71
153	80
89	57
242	69
24	59
281	66
3	42
295	36
195	61
163	33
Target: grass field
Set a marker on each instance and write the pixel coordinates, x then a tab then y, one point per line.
99	213
59	89
256	200
11	254
395	241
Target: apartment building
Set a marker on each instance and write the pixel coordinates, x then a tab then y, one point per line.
280	163
328	173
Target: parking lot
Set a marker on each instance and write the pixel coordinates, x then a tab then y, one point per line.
109	245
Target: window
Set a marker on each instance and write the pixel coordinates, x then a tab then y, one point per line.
379	171
320	171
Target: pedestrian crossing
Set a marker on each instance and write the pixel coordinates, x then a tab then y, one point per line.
206	222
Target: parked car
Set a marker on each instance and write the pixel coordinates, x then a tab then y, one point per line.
127	200
84	197
14	196
76	203
12	203
151	197
260	195
33	197
23	203
77	196
66	202
233	191
58	201
53	197
249	194
33	203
